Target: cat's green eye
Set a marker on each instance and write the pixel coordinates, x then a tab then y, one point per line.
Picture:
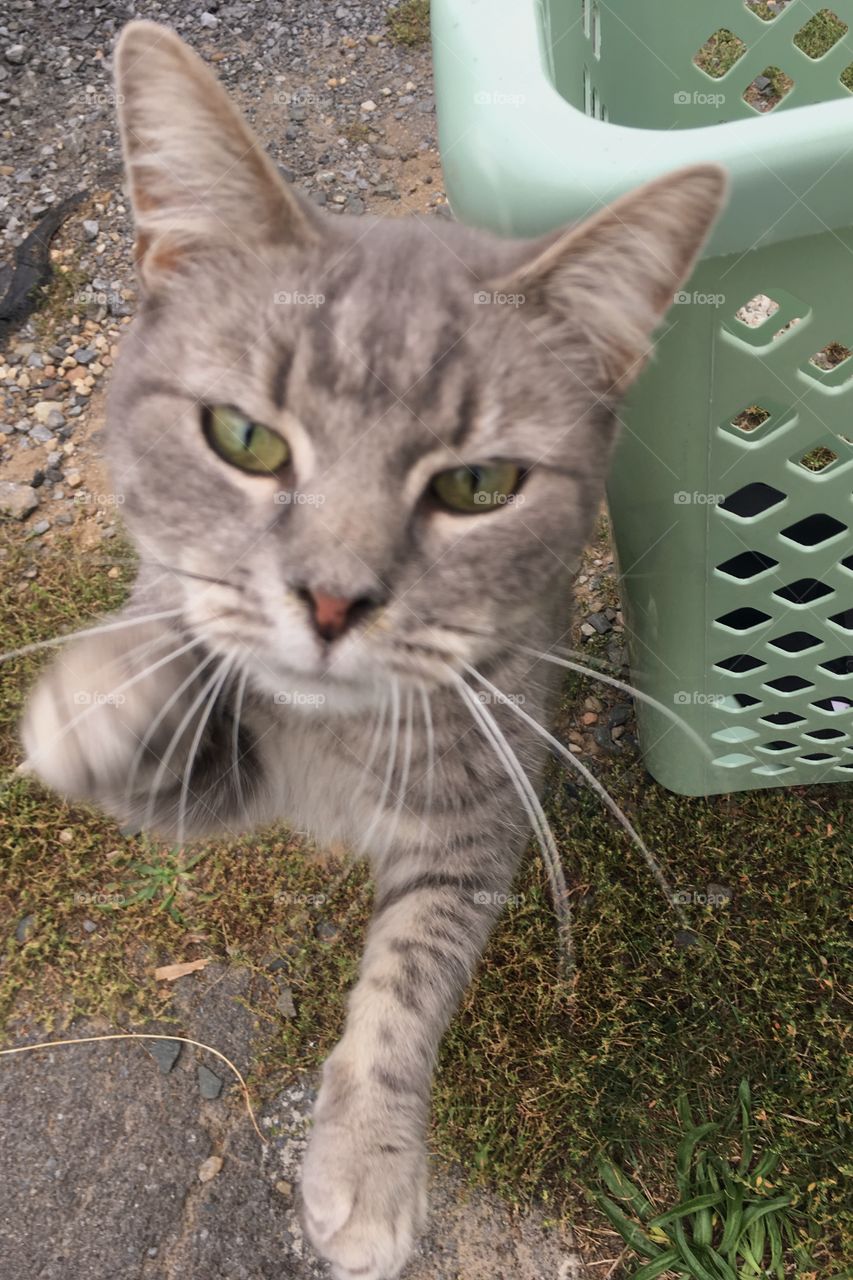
474	489
245	444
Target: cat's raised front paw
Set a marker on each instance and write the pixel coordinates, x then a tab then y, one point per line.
364	1198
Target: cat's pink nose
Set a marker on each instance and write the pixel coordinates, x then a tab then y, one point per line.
332	615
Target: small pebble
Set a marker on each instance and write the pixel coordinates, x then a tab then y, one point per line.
165	1053
209	1169
209	1084
285	1004
25	929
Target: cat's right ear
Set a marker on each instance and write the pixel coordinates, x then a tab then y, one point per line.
199	178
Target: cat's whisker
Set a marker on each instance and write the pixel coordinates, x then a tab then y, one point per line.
406	767
235	738
593	782
173	743
366	769
26	765
426	707
392	760
220	676
624	688
88	631
157	721
590	659
536	814
188	573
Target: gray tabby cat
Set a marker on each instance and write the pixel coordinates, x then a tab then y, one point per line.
356	491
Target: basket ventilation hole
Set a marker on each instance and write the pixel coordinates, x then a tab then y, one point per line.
767	90
814	530
779	745
847	563
766	10
739	663
733	761
747	565
719	53
804	591
736	702
752	500
752	417
795	642
789	684
738	733
830	356
839	666
825	735
820	34
743	619
846	78
834	705
781	718
815	757
818	459
843	619
757	311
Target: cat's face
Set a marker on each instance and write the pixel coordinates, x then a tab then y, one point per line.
315	412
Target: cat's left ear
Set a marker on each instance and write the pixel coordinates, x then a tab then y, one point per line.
610	281
199	179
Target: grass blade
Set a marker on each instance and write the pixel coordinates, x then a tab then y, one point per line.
745	1101
686	1147
621	1186
631	1232
710	1200
665	1262
696	1270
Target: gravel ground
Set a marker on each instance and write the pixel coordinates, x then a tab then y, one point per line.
139	1161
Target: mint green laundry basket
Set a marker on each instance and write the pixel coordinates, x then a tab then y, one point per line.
731	493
